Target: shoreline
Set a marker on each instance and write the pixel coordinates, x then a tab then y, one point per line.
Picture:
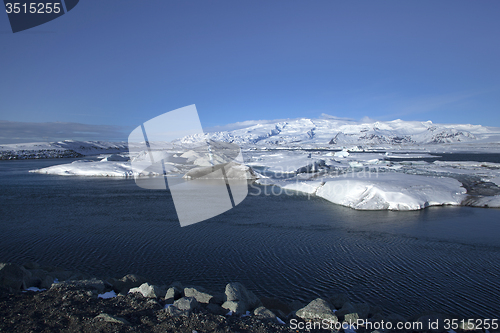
56	298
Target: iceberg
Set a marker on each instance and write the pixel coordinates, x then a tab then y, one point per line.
232	170
392	191
97	169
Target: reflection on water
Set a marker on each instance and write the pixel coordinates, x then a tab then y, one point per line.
293	247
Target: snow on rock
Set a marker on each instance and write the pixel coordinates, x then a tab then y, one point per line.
291	133
149	290
61	149
392	191
349	133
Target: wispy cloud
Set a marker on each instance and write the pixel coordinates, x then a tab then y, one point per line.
328	116
241	124
19	132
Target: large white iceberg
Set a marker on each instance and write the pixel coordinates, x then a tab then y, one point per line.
392	191
97	169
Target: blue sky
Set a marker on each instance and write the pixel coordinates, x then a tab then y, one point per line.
121	62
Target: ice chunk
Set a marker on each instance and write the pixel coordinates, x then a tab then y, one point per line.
232	170
98	169
343	153
392	191
309	187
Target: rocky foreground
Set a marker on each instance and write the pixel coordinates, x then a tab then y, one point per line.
48	299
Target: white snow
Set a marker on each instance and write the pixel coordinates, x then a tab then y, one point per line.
353	135
309	187
342	153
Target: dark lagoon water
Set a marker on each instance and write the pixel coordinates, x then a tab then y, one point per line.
449	157
293	247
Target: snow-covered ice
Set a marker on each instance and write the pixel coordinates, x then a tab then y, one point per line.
232	171
91	169
392	191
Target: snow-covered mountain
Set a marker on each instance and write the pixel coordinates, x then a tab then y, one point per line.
61	149
294	133
334	132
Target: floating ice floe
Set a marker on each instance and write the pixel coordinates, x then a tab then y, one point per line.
97	169
343	153
392	191
383	191
231	170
